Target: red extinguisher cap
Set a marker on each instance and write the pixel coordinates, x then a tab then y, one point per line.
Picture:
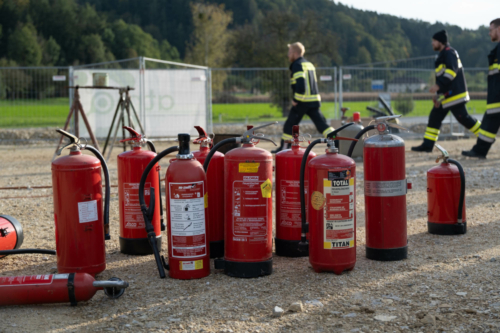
356	117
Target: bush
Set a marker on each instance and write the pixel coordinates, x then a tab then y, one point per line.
404	104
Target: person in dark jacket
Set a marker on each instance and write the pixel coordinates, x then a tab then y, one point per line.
451	93
491	119
306	98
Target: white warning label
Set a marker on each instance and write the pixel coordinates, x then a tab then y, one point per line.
87	211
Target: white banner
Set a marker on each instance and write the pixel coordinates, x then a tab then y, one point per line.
175	100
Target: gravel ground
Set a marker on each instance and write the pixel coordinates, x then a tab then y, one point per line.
448	284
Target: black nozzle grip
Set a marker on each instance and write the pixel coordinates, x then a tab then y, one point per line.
152	201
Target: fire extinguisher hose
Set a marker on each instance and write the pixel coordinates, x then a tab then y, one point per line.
214	149
108	189
303	240
462	188
149	212
153	149
357	137
27	251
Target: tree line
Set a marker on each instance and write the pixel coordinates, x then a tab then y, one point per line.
217	33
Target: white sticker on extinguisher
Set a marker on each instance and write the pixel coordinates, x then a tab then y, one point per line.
187	220
132	214
87	211
339	210
190	265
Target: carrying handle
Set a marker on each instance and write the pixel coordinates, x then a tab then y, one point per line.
444	154
74	141
249	134
135	136
203	138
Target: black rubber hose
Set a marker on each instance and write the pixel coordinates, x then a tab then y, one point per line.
462	188
303	165
27	251
214	149
108	189
153	149
358	136
149	227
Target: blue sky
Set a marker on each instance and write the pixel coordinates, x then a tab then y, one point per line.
465	13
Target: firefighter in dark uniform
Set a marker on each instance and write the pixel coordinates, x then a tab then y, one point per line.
306	98
491	118
451	93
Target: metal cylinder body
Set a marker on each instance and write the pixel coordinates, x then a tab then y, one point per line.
215	183
332	213
187	202
443	196
288	215
78	214
385	188
11	233
248	174
133	236
41	289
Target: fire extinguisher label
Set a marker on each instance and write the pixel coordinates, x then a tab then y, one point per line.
87	211
338	191
290	215
133	218
187	220
25	280
249	211
190	265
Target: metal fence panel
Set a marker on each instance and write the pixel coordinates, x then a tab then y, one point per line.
263	94
33	96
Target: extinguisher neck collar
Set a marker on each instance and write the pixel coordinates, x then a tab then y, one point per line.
184	156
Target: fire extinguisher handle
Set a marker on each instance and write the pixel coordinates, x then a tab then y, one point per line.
74	141
107	189
135	136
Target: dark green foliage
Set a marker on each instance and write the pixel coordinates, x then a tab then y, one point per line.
404	103
65	32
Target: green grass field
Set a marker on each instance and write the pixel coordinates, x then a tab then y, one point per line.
265	111
35	113
53	112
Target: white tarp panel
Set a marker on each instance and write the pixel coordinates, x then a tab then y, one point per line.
174	100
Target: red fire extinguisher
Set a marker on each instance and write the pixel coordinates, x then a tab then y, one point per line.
187	202
81	224
11	233
446	197
248	174
288	217
331	208
57	288
215	184
385	188
131	164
